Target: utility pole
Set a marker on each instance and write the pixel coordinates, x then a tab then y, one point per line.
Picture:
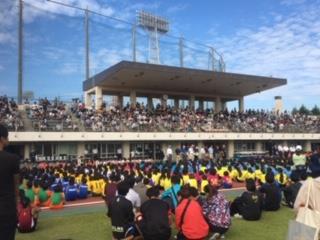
20	52
87	44
134	56
181	51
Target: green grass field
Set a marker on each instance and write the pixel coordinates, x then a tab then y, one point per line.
90	222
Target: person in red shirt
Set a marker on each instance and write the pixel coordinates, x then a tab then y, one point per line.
189	218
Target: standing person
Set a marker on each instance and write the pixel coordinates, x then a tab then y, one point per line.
9	188
169	154
119	153
299	161
132	195
141	188
315	163
155	218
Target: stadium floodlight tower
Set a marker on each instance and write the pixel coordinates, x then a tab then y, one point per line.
155	26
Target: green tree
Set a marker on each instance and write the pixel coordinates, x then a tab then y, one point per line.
304	110
315	110
294	111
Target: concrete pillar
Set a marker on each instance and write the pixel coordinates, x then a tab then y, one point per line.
80	149
278	104
176	103
224	105
99	97
259	146
87	99
164	99
217	104
201	105
307	146
150	103
133	98
26	154
126	150
230	150
241	104
191	102
120	101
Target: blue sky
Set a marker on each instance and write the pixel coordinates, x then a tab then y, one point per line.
278	38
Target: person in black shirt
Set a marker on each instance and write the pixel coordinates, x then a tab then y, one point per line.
290	192
154	220
9	192
271	194
249	204
121	213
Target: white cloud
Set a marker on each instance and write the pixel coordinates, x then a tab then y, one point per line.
292	2
177	8
289	49
1	68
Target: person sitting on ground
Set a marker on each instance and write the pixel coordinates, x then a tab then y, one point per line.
190	221
217	212
71	190
171	195
226	180
154	219
291	190
83	189
27	215
57	198
29	193
132	195
249	204
271	194
141	188
120	211
44	195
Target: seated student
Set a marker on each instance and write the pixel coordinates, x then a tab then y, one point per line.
281	178
290	191
189	219
27	215
204	183
193	181
185	176
249	204
71	191
241	177
226	180
213	177
217	212
83	189
120	210
171	195
44	195
57	198
271	194
154	219
29	193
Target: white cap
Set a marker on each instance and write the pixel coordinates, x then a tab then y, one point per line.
298	148
292	149
285	148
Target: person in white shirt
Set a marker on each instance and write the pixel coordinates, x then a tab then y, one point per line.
132	195
169	154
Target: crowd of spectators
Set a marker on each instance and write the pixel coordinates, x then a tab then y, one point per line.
9	114
141	118
47	115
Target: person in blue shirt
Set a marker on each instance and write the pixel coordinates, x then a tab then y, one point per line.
71	191
83	189
171	195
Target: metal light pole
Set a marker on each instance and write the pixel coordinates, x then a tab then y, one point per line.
181	51
20	52
87	43
134	57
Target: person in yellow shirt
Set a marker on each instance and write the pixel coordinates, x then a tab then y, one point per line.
185	176
204	183
193	181
233	173
241	176
281	178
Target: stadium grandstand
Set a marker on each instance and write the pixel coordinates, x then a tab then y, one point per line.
150	139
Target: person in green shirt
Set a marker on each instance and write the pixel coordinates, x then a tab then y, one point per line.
30	193
299	161
57	198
